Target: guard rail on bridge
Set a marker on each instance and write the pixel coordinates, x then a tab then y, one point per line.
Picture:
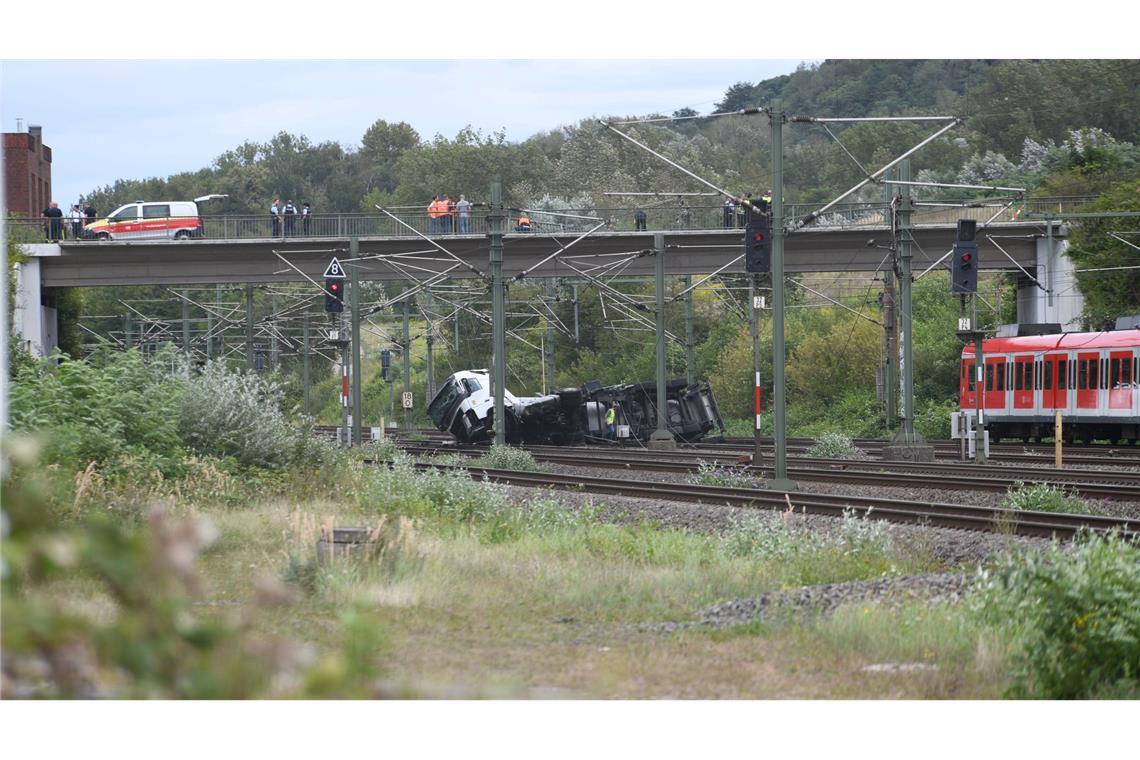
663	216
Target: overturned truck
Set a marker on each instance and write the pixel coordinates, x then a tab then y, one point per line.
465	407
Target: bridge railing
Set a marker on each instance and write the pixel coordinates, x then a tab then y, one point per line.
564	221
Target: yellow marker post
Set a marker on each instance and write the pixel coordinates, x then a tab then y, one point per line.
1057	441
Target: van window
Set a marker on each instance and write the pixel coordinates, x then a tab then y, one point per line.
156	211
126	212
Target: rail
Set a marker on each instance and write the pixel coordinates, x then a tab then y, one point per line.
659	216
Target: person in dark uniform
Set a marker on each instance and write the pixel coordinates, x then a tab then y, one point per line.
53	224
290	214
639	219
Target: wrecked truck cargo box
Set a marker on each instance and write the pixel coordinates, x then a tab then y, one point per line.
464	407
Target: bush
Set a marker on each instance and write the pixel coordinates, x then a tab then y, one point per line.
508	458
238	414
1042	497
712	474
835	446
112	407
1074	615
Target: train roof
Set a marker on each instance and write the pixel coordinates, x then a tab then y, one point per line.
1059	342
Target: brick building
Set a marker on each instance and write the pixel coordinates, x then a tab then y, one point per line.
27	172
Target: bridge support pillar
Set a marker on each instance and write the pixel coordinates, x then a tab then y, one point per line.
34	323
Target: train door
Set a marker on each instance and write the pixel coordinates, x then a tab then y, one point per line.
1088	380
995	383
1120	380
1055	382
1023	382
968	386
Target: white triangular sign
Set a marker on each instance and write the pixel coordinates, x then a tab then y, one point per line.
334	269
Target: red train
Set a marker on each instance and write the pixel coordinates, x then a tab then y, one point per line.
1092	378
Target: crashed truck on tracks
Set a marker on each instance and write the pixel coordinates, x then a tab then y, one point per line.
465	407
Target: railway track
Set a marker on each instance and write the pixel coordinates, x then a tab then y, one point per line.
961	516
1115	486
1090	456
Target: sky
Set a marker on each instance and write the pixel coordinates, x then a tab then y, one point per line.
155	118
168	91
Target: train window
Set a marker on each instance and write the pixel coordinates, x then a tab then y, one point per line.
1037	376
1114	373
1047	376
1000	376
1125	373
1082	374
989	377
971	386
1093	366
1104	373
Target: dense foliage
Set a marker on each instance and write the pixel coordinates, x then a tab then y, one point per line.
1074	616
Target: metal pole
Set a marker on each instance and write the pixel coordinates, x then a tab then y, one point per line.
891	366
249	326
576	334
780	480
407	361
354	280
498	312
430	330
754	330
127	330
186	322
907	444
980	373
690	363
548	365
307	360
273	345
661	438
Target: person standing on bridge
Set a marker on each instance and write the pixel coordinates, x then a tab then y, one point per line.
274	217
464	209
290	214
728	206
306	217
89	212
639	219
433	215
76	220
448	213
53	222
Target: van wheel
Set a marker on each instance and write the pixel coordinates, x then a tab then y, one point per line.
103	236
182	235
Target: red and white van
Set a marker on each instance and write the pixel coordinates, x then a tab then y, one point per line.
150	220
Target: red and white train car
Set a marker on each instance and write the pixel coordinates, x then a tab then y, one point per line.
1092	378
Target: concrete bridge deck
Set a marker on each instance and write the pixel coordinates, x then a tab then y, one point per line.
183	262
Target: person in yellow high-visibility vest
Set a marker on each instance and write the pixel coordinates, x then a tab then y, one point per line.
611	423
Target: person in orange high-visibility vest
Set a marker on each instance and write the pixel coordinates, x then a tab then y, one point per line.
523	223
433	215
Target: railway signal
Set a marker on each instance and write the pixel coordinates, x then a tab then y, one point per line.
965	259
385	362
758	243
334	295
